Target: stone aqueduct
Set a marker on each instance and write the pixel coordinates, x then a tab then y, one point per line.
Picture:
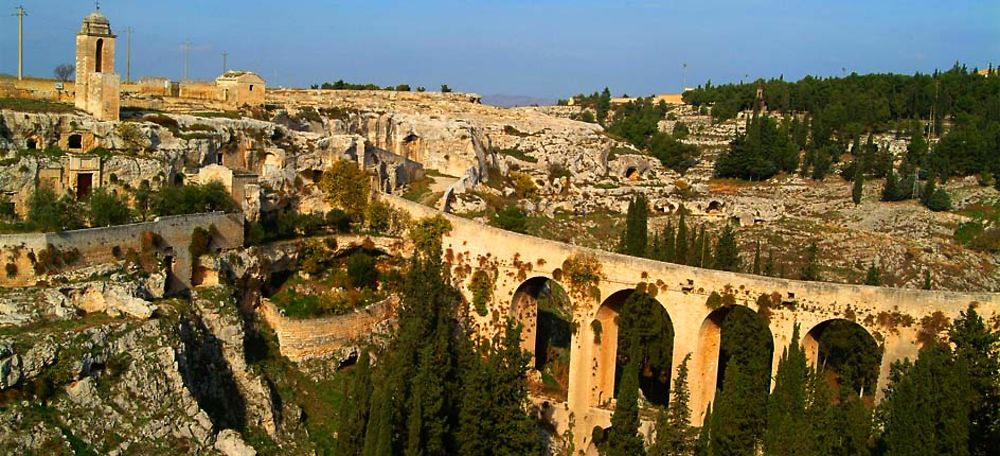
892	316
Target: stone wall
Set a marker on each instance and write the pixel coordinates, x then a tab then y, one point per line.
301	340
98	245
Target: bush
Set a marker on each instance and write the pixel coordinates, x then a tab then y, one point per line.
511	218
481	286
939	201
338	220
193	199
47	212
361	270
681	130
107	209
524	186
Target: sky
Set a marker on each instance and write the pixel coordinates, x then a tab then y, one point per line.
541	48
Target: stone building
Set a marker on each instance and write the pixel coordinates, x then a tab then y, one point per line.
98	87
243	187
239	88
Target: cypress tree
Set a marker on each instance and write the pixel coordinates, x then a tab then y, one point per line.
635	239
874	276
890	192
727	255
811	269
669	241
703	446
755	269
927	279
673	431
681	245
769	264
354	409
859	187
696	255
733	429
787	427
926	408
978	347
624	438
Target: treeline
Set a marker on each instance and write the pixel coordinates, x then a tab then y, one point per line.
436	389
947	401
49	211
825	115
344	85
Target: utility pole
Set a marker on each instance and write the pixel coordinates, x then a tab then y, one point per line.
187	50
684	78
20	13
128	54
225	61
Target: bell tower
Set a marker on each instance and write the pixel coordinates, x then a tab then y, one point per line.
98	87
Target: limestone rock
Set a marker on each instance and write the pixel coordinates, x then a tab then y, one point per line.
230	443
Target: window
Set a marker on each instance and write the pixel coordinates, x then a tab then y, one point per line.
251	87
99	59
75	142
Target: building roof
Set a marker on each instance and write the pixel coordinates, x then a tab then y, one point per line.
96	24
236	75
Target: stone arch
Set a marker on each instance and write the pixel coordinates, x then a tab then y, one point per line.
543	308
656	340
839	347
632	173
714	206
709	359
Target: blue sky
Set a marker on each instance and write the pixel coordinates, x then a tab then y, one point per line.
546	48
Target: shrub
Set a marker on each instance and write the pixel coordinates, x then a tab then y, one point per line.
338	220
511	218
427	233
47	212
193	199
361	270
107	209
939	201
524	186
714	301
481	286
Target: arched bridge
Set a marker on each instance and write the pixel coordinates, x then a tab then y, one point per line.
519	266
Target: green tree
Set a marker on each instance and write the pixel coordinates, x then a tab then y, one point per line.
926	408
788	431
354	409
769	264
681	244
727	255
978	348
756	267
49	212
674	435
511	218
143	196
890	191
874	276
193	199
635	239
624	438
107	209
858	190
939	201
347	187
361	270
811	270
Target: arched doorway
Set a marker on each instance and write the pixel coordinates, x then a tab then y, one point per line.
542	307
634	324
846	355
730	336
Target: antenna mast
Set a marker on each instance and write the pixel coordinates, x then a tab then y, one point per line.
20	13
128	55
225	61
187	50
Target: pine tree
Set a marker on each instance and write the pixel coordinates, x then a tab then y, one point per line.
787	426
733	429
673	429
916	151
874	276
727	255
755	269
624	438
681	245
927	279
354	409
978	347
859	187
